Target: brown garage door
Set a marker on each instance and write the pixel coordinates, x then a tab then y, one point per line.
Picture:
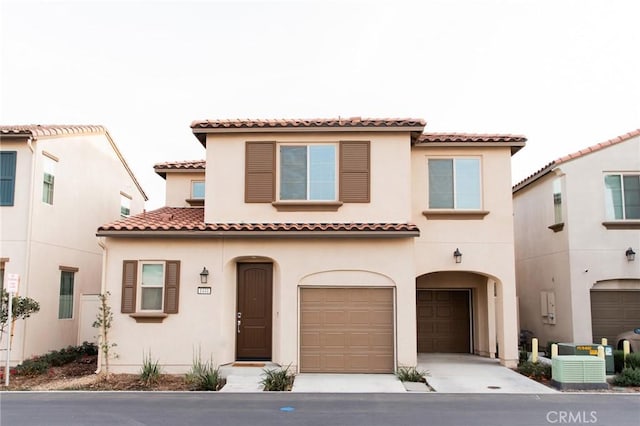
613	312
443	321
346	330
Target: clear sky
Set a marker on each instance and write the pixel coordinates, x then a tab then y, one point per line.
565	73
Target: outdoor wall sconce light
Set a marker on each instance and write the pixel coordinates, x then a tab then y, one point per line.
631	255
458	256
204	275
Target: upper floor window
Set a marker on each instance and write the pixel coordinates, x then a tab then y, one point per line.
65	304
454	183
125	205
622	196
308	172
197	189
48	180
7	177
557	201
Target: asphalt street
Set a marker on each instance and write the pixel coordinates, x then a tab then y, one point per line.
265	409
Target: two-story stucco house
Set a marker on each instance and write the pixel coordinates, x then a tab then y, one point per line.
327	244
576	226
57	185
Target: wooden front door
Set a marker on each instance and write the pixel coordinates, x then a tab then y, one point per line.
253	313
443	321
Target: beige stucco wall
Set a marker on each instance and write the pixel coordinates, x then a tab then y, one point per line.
390	180
206	323
178	187
487	244
39	238
584	253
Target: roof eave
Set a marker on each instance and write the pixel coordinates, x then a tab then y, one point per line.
515	146
255	234
531	179
201	133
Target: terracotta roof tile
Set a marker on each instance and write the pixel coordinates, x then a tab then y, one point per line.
581	153
187	165
469	137
50	130
308	123
190	220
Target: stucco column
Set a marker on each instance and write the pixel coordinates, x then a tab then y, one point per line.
507	326
406	327
491	314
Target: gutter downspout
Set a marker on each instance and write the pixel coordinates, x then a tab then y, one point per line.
27	258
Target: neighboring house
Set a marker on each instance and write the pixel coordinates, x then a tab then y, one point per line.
57	185
326	244
575	220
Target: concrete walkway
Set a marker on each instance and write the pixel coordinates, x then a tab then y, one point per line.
462	373
447	373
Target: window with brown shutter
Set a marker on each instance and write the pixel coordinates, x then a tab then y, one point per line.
172	287
129	285
355	167
260	175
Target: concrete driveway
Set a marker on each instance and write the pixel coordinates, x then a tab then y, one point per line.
463	373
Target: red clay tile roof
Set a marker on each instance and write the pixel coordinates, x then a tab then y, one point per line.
593	148
514	141
189	221
50	130
188	165
200	128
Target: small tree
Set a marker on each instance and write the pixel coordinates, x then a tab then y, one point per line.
21	308
103	321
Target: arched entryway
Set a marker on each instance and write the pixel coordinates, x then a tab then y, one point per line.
456	313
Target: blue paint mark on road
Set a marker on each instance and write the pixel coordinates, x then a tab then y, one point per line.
287	409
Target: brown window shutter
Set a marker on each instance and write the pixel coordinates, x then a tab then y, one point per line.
129	286
260	172
355	171
171	287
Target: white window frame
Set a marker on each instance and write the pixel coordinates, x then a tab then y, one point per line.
557	201
480	183
193	195
336	169
141	285
64	271
125	204
49	163
608	206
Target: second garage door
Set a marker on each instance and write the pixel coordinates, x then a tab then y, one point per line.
613	312
346	330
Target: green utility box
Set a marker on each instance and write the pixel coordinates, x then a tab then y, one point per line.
588	349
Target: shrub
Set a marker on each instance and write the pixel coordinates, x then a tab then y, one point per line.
628	377
523	356
618	360
410	374
33	367
150	371
632	360
535	370
41	364
277	380
204	376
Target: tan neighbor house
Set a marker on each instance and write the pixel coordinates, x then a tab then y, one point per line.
328	245
58	183
575	220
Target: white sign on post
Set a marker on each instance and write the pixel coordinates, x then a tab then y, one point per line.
13	280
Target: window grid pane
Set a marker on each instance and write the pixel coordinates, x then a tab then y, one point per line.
293	173
631	195
613	197
440	184
322	172
467	180
197	189
65	307
47	188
